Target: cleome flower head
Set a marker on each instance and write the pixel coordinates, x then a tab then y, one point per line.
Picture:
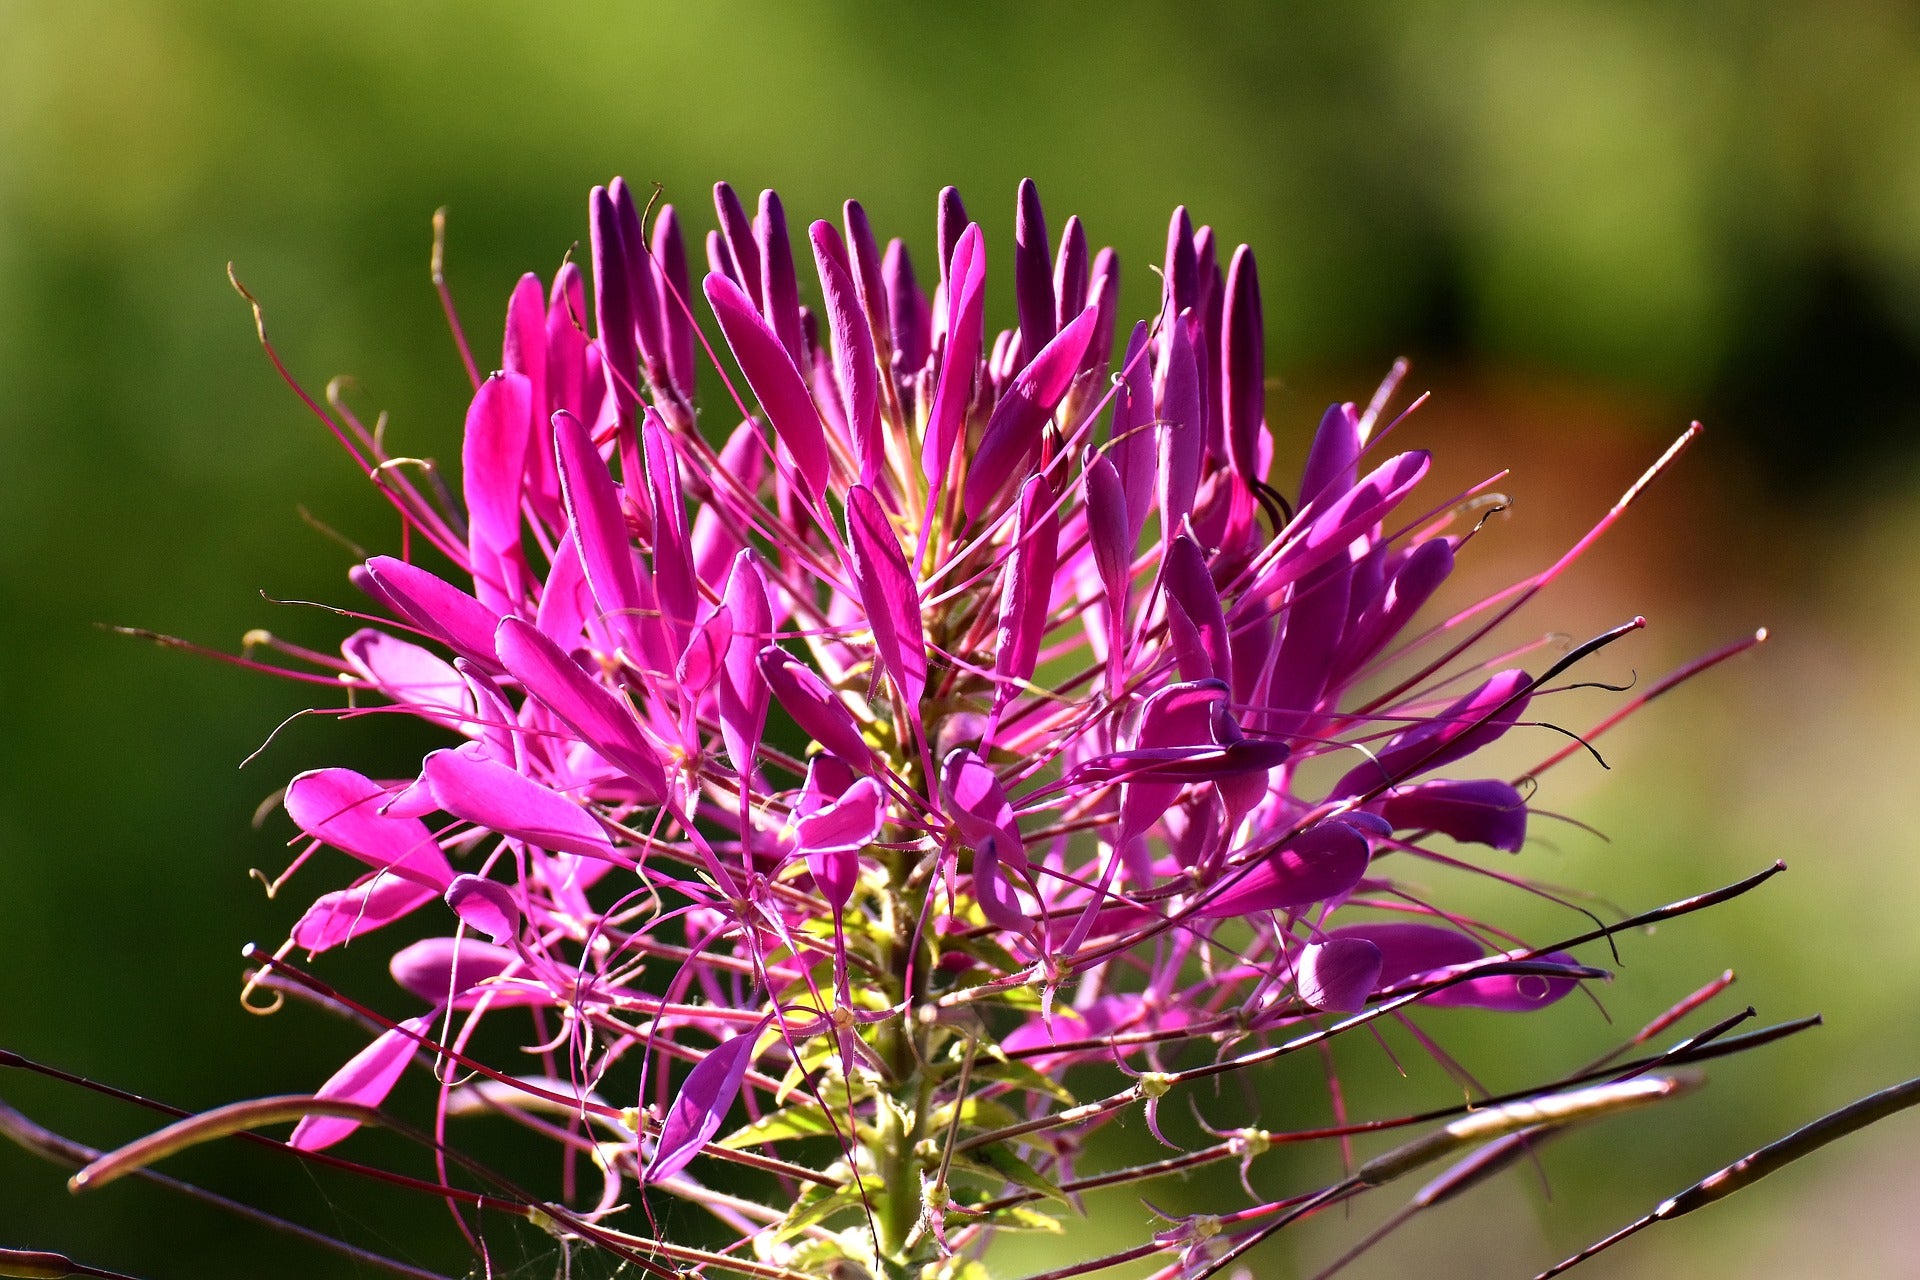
878	752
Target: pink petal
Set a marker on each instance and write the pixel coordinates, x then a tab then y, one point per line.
366	1079
1339	974
814	706
599	531
1480	811
1012	434
485	905
1027	587
602	718
776	382
853	358
889	595
493	465
439	969
702	1103
1196	624
341	916
1321	864
342	808
438	608
966	314
411	676
1463	728
493	796
831	837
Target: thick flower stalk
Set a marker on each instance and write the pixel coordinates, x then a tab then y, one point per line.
878	752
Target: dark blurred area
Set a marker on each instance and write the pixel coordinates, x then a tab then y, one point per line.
1586	224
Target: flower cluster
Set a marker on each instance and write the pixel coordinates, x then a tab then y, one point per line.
857	747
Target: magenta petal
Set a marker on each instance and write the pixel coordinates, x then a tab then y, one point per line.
702	1103
743	692
742	250
1032	269
1012	434
485	905
367	1078
1408	950
1511	992
890	597
438	608
1112	544
1321	864
1027	585
439	969
678	594
612	296
981	812
493	796
775	380
341	916
779	288
599	531
1135	450
814	706
1339	974
601	717
1460	730
868	281
676	323
853	359
1477	811
966	316
831	837
1333	459
1196	624
1244	393
1183	436
493	464
342	808
411	676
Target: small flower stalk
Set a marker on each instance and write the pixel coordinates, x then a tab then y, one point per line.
878	752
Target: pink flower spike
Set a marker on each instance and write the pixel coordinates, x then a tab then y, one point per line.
486	906
702	1104
367	1079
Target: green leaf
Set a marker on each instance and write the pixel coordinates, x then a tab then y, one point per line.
1020	1217
802	1120
816	1204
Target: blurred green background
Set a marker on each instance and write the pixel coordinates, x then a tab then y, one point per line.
1586	223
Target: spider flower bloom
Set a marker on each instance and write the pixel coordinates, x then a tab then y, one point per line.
840	751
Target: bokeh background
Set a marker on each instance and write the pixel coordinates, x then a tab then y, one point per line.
1587	223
